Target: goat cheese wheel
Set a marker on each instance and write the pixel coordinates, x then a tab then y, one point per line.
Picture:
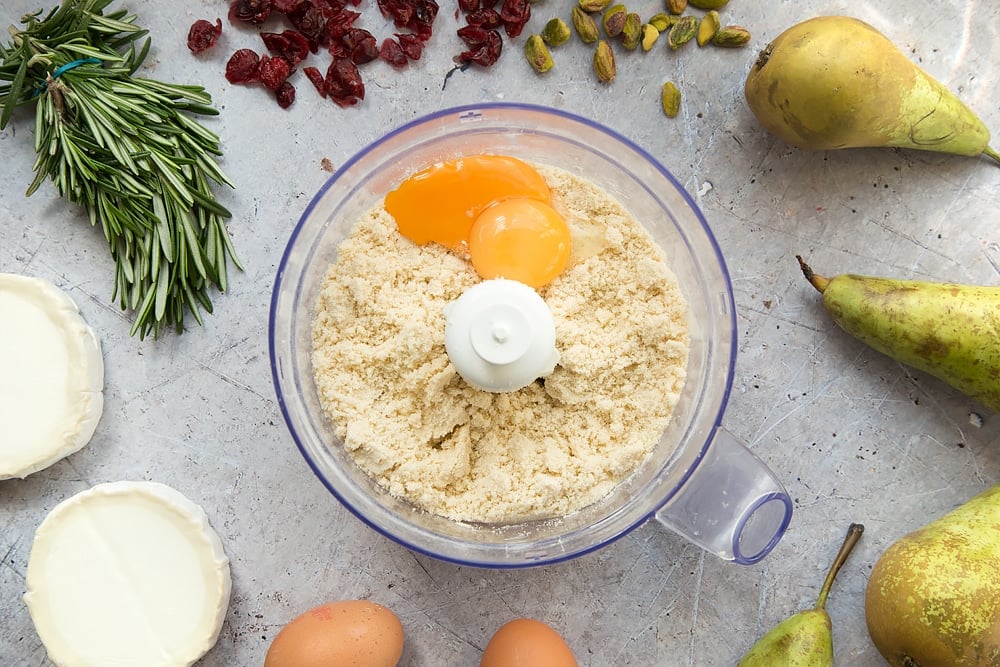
127	573
51	376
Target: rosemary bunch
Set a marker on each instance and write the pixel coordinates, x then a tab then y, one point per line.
127	150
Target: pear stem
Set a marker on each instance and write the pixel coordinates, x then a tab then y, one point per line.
989	152
818	281
853	535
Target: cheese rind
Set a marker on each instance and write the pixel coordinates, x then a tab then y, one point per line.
51	376
127	573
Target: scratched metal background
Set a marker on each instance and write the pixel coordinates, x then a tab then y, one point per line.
855	436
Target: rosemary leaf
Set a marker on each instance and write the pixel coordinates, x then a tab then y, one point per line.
206	202
171	182
111	26
137	60
144	313
162	279
15	86
194	246
164	236
84	51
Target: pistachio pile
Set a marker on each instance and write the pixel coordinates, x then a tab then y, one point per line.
602	24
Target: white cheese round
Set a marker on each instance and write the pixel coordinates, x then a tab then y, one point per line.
127	573
51	376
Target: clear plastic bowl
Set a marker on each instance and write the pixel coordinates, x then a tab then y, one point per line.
655	198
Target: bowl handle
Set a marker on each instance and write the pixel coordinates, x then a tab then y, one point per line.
731	505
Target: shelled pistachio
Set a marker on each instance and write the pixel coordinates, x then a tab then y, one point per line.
670	98
731	36
604	62
538	54
661	22
614	20
648	34
682	32
631	31
585	25
555	32
708	26
708	4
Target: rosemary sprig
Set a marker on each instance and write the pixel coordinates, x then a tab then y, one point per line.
127	149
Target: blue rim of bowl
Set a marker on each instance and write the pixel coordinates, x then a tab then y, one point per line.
460	111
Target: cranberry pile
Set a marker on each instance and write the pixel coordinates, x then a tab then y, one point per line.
317	25
328	25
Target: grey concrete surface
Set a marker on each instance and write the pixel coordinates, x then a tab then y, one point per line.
854	435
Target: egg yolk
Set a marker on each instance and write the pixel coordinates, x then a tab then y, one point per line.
520	239
441	202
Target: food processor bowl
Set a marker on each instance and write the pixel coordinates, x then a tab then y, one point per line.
698	480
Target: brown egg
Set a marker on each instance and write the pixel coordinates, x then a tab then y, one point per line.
351	633
524	642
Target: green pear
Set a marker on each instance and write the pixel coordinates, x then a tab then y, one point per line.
933	597
949	331
804	639
836	82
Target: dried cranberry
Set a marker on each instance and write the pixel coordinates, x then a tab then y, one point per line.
330	8
337	25
392	53
425	11
361	45
203	35
285	6
316	77
515	15
484	45
309	21
274	71
416	15
397	10
472	35
275	42
467	6
290	45
485	18
285	94
243	67
412	45
338	50
488	4
343	82
251	11
423	33
365	51
301	42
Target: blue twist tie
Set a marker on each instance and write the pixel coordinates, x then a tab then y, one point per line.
65	68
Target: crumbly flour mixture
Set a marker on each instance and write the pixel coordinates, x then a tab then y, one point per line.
413	423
